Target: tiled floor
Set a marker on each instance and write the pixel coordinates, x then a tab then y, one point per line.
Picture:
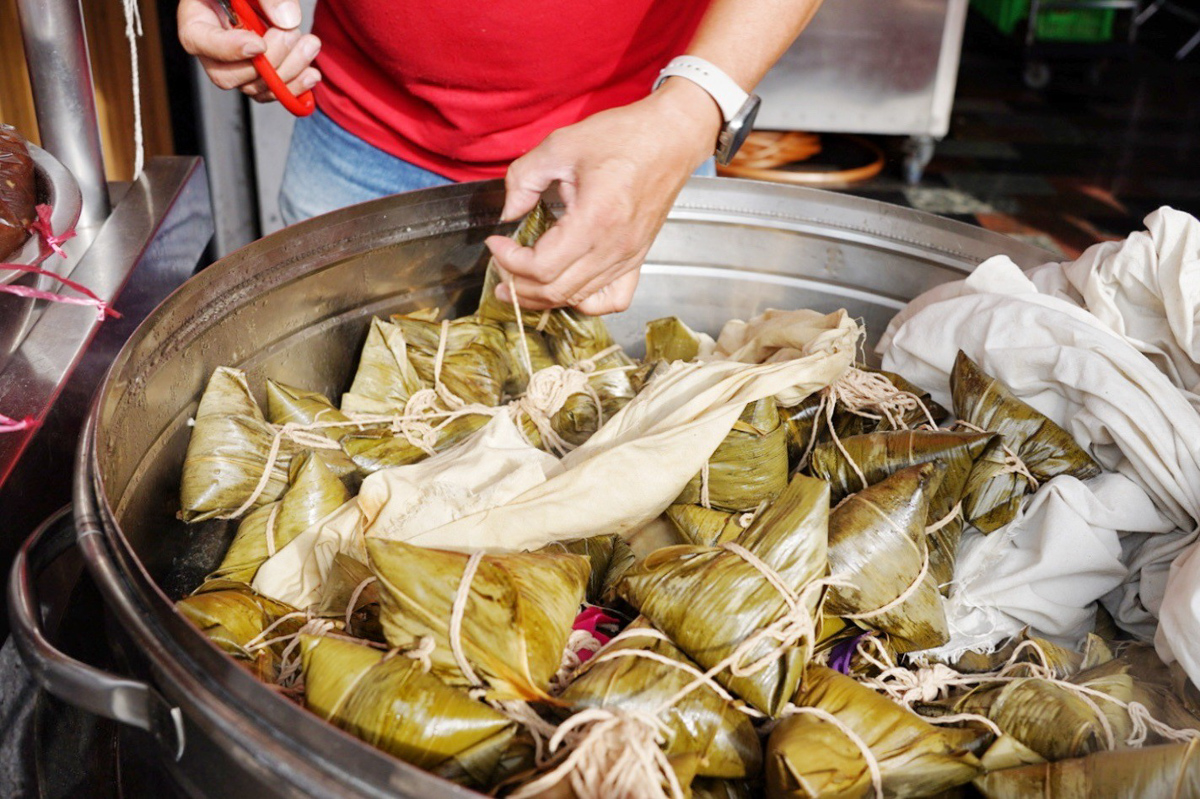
1079	162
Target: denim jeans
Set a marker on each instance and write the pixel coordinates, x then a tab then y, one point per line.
330	168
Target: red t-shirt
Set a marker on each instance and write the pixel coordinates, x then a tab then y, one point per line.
462	88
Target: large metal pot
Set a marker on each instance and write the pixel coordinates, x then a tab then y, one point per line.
295	306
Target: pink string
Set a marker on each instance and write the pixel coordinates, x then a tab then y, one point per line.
41	226
592	619
89	298
8	425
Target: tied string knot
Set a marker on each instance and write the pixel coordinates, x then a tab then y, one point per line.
578	642
10	425
1012	461
871	396
546	394
610	754
42	227
927	684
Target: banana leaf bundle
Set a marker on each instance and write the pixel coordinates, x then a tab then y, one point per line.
539	356
1172	770
231	616
1061	661
315	492
706	526
385	378
391	704
289	405
877	542
809	757
669	339
572	338
229	450
807	419
702	722
1045	448
380	448
1164	690
516	620
1051	719
350	580
881	454
1007	752
749	467
609	557
709	600
474	358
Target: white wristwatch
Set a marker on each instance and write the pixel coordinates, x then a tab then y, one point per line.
737	107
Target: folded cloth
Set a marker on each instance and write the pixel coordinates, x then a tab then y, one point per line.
1145	288
1075	369
1049	566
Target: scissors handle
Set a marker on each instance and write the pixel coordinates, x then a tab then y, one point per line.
250	17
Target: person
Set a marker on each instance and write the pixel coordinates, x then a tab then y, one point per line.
416	93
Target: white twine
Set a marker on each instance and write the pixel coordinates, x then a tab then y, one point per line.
613	754
456	620
271	530
1012	461
954	513
922	550
352	605
929	683
704	498
133	29
524	344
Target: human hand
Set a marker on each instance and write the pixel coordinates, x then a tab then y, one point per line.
225	52
619	172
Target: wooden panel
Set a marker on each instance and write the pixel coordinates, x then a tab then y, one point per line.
111	74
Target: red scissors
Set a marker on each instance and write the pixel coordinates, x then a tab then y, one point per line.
248	15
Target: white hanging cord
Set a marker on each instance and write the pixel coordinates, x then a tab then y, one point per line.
133	29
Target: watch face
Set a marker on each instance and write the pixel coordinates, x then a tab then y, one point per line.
737	129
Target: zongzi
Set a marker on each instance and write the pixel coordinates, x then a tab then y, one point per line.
515	619
877	544
702	721
808	756
715	604
1036	445
391	704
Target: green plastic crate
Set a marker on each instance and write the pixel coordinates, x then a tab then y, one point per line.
1062	25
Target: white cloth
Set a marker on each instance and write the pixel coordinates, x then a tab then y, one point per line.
1069	365
637	463
1049	566
494	492
1146	289
488	469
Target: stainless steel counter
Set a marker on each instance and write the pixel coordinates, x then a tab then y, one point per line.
885	67
150	243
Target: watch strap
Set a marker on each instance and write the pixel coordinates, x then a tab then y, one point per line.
729	96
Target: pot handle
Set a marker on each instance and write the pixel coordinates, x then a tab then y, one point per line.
107	695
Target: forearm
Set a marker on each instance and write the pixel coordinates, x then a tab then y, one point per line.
746	37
